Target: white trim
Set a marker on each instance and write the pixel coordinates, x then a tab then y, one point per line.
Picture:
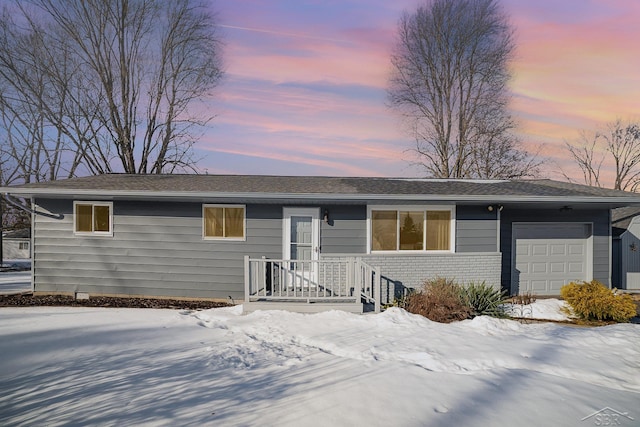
287	213
225	239
454	198
422	207
93	204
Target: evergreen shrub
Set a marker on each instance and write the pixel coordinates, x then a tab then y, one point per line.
594	301
484	300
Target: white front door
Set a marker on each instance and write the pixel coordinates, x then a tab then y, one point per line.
302	243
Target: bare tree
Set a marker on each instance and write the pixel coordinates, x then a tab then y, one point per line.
31	146
587	158
111	85
617	146
449	80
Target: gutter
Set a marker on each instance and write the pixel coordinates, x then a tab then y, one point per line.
9	199
158	195
271	196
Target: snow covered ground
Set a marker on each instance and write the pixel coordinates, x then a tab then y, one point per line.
101	366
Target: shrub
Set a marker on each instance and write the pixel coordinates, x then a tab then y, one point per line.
594	301
440	300
484	300
525	298
402	300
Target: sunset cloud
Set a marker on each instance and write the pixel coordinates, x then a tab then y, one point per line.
576	67
306	81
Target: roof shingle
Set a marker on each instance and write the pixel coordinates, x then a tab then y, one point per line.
315	185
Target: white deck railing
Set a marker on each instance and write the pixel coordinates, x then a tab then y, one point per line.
345	280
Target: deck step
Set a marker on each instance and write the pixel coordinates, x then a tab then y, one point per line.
301	307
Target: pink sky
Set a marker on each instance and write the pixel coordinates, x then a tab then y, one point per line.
305	87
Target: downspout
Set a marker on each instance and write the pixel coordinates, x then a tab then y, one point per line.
32	210
498	249
610	240
498	227
32	247
1	238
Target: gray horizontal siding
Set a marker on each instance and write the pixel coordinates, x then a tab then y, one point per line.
156	249
627	258
601	236
346	231
476	229
168	257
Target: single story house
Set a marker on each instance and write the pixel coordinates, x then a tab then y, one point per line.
16	244
314	239
625	231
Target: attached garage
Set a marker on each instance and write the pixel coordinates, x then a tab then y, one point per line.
547	256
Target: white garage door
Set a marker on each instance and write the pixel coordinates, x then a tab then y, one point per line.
547	256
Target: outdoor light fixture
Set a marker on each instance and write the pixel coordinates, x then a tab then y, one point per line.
490	208
326	216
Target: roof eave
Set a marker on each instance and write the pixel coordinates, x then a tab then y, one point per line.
139	194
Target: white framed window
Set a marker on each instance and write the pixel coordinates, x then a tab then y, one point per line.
224	222
411	228
23	246
93	218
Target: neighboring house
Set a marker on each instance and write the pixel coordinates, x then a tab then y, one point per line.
16	244
625	230
247	237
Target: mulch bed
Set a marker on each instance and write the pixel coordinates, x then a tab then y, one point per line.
29	300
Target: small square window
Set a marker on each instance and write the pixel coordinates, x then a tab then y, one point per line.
224	222
93	218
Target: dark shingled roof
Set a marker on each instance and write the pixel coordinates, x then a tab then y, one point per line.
185	185
621	218
23	233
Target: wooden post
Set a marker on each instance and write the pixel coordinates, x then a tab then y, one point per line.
263	276
247	279
377	283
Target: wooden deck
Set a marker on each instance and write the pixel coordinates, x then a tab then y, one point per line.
311	286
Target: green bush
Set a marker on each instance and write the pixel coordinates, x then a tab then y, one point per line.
594	301
484	300
440	300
